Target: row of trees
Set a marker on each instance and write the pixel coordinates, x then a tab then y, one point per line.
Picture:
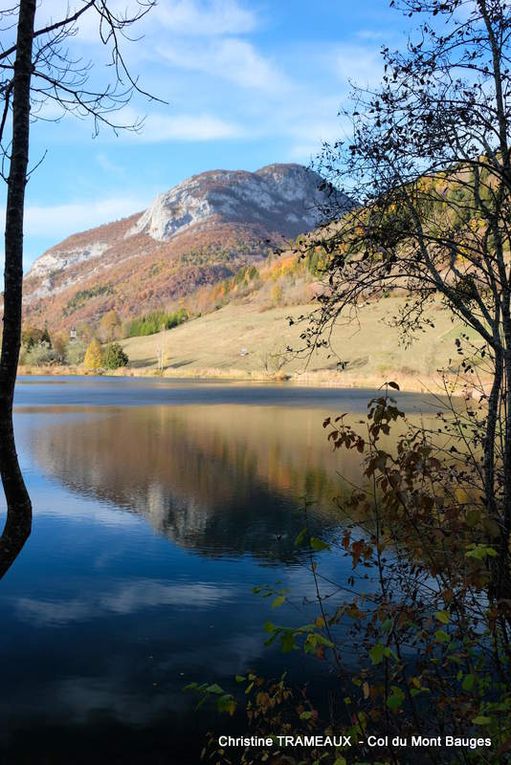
109	357
39	348
108	329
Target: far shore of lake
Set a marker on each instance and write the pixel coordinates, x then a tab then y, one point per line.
437	385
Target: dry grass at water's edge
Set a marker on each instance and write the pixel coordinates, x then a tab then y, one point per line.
321	378
407	383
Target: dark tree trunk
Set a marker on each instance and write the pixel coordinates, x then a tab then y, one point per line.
503	584
19	509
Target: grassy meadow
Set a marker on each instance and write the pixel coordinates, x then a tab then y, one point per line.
241	340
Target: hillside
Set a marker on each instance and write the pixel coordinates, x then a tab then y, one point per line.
197	234
242	339
207	247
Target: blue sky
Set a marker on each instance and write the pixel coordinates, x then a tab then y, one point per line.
248	82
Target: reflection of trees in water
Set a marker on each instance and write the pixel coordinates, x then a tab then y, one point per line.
219	479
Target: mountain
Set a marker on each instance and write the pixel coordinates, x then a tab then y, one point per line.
198	233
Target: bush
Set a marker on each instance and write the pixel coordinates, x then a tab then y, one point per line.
75	352
40	354
114	356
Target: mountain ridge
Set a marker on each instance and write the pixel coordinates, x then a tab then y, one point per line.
197	233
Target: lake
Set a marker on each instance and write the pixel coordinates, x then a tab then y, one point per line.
158	506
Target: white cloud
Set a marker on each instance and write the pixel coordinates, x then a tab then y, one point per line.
378	35
229	58
203	18
88	25
106	164
185	127
126	598
57	221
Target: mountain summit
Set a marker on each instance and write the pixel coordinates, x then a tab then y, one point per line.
199	232
283	198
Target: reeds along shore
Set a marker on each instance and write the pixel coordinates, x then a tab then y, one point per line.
438	385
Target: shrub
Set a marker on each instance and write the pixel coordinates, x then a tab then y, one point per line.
75	352
40	354
114	356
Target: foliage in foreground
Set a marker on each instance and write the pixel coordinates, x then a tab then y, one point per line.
428	601
433	638
430	163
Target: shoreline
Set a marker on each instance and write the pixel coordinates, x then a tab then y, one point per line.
317	378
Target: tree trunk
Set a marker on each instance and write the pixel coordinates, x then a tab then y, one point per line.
19	509
503	583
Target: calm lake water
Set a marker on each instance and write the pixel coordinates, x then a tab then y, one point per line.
158	506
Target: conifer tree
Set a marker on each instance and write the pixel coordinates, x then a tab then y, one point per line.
93	360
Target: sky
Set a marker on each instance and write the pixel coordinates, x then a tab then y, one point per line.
245	83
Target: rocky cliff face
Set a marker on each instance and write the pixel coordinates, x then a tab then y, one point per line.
283	198
196	233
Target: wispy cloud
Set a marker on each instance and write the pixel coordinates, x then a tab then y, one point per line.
182	17
185	127
371	34
127	598
205	17
230	59
52	221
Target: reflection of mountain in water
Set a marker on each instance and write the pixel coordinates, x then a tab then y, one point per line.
219	479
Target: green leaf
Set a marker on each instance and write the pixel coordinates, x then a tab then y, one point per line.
226	703
287	641
301	538
481	720
468	682
214	688
377	653
340	761
318	544
441	636
396	698
240	679
322	640
442	616
480	552
279	601
306	716
380	652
